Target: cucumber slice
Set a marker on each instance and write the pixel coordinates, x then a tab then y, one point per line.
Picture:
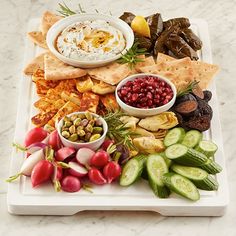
167	160
192	173
199	177
211	167
156	168
173	136
132	170
208	184
207	147
184	155
181	185
192	138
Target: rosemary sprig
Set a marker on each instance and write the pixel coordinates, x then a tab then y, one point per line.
188	89
132	55
66	11
117	129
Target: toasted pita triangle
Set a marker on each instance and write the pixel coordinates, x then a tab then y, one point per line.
38	38
164	58
204	72
111	74
58	70
35	64
48	20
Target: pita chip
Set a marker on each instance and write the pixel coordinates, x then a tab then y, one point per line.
110	74
164	58
36	64
48	20
58	70
38	38
204	73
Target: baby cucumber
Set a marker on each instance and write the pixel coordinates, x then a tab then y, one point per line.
184	155
173	136
199	177
192	138
211	167
181	185
132	170
207	147
156	168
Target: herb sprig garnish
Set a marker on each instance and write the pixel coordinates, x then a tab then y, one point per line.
117	129
131	57
192	85
66	11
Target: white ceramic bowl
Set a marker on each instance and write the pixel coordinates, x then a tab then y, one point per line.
92	145
59	26
143	112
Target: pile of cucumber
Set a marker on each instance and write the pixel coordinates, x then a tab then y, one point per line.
186	166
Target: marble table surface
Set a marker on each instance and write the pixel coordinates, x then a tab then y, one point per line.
220	15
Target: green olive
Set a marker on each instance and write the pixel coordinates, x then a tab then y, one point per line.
94	137
73	137
65	134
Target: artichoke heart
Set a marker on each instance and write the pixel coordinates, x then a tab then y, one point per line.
129	121
148	145
165	120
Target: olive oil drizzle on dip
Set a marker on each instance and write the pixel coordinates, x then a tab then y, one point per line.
90	40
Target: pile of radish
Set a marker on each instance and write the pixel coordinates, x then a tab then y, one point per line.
47	160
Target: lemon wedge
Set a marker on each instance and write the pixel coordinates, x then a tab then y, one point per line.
140	26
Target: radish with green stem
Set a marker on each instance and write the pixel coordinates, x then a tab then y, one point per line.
28	164
35	135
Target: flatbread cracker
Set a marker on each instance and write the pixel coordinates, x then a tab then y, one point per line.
111	74
38	38
48	20
204	73
148	61
35	64
58	70
161	57
179	72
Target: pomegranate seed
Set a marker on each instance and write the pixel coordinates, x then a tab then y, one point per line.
123	92
149	102
134	97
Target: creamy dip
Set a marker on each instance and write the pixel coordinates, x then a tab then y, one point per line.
90	40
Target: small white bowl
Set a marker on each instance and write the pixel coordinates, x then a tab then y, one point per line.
59	26
143	112
92	145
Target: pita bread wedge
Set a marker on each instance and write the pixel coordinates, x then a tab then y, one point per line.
204	73
48	20
148	61
35	64
38	38
111	74
58	70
